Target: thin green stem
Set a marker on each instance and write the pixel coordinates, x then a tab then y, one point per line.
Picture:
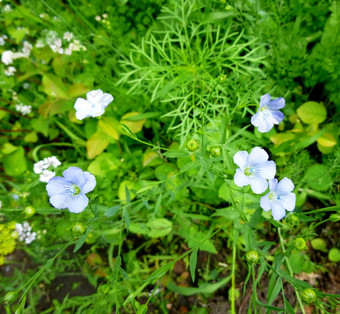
290	269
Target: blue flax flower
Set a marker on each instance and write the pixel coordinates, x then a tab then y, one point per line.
254	169
280	198
268	113
69	191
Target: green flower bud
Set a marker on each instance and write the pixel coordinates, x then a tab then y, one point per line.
252	257
192	145
222	77
308	295
293	219
299	244
334	217
78	228
10	297
29	211
215	151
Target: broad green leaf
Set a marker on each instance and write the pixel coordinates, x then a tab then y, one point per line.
334	255
139	228
280	138
50	108
15	163
326	140
318	178
103	164
31	137
151	158
54	86
40	125
9	148
319	244
159	227
108	127
96	144
134	126
122	190
312	112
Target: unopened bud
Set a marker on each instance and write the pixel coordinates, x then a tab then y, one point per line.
215	151
299	244
293	219
252	257
29	211
334	217
10	297
192	145
78	228
308	295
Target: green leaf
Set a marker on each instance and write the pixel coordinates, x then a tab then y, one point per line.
159	227
96	144
122	190
312	112
40	125
229	213
54	86
126	218
319	244
193	262
50	108
77	90
334	255
272	294
112	211
81	240
103	164
15	163
318	178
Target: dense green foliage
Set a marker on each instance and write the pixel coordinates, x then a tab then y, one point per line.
167	229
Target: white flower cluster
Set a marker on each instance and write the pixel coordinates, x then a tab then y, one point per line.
2	39
41	167
8	56
7	8
65	46
24	109
24	232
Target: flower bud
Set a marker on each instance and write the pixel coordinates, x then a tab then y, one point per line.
252	257
29	211
192	145
215	151
78	228
293	219
222	77
10	297
334	217
299	244
308	295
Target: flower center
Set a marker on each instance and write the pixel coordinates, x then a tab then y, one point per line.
75	190
263	108
273	196
248	171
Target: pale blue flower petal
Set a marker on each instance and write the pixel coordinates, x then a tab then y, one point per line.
255	119
240	178
265	99
278	211
265	203
74	175
241	159
272	184
267	169
265	124
257	156
59	201
258	184
288	201
83	107
90	183
77	203
277	116
277	104
94	96
285	186
57	185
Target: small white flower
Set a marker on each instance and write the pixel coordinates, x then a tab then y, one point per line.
10	71
61	51
68	51
26	85
98	18
58	43
52	162
68	36
24	109
2	41
7	57
105	15
94	106
27	49
54	48
46	175
7	8
39	166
